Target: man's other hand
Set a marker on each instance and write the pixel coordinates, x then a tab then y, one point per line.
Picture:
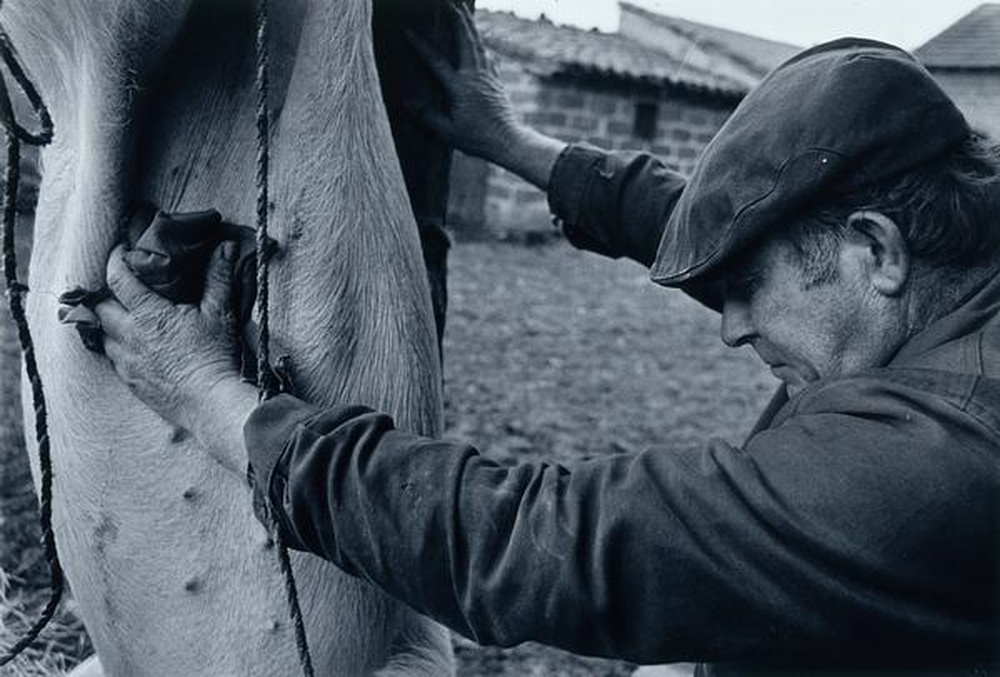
479	119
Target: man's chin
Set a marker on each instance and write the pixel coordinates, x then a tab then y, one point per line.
793	380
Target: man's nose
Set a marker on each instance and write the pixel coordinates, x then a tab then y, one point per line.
737	329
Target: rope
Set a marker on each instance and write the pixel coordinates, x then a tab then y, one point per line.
264	380
14	134
11	60
265	376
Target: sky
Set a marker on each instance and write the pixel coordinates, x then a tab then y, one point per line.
907	23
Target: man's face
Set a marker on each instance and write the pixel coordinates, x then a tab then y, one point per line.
802	332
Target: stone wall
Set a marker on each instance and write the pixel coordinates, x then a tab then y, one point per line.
600	112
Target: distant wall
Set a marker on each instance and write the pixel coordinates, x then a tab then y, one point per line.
490	202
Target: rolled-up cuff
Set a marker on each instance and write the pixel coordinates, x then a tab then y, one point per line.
568	181
273	433
267	434
268	430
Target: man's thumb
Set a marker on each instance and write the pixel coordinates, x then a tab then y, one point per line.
217	298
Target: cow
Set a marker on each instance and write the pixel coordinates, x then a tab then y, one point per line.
153	100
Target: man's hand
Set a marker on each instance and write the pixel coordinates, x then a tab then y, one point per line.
479	119
174	357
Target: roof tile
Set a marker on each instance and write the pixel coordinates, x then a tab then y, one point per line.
755	54
563	50
971	42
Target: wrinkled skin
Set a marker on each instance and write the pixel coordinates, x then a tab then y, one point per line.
154	100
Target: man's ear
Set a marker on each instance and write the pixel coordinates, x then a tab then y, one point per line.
876	238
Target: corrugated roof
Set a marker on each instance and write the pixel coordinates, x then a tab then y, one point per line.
563	50
758	55
971	42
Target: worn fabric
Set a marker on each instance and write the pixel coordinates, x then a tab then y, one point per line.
842	116
857	527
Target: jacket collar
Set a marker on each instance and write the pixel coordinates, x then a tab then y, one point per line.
945	342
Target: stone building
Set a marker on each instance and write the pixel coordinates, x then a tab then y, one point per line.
965	59
666	86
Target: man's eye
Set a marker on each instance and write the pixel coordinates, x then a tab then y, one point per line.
746	285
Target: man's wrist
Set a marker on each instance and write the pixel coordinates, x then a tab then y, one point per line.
529	154
217	416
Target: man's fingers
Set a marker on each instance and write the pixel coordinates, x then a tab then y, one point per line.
124	284
467	55
115	320
218	297
114	350
439	67
469	44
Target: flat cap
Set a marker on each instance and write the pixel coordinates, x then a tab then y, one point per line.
840	116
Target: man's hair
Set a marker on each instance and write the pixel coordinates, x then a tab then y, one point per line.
948	211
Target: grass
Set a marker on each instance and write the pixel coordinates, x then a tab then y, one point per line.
554	355
563	355
63	643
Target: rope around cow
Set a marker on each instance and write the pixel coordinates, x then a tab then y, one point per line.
15	134
265	376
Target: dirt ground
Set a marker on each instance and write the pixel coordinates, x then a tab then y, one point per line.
559	356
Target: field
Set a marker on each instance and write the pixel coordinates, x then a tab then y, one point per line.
555	355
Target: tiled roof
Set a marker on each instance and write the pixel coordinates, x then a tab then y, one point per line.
757	55
971	42
563	50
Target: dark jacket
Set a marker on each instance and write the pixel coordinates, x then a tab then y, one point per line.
856	527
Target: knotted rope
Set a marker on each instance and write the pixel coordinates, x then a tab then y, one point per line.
14	135
266	382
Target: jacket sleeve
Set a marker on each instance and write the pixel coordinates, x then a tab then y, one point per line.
613	203
833	536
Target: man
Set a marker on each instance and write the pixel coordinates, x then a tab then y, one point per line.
844	221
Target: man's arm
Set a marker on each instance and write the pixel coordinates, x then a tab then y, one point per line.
812	546
613	203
